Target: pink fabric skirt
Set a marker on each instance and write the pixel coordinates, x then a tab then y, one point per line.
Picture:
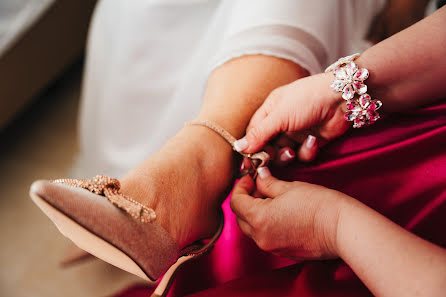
397	167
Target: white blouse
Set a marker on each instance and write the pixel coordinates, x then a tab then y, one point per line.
148	62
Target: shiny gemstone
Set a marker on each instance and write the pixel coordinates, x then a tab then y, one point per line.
376	104
373	116
353	106
349	116
340	73
364	100
337	85
360	87
348	92
362	74
351	68
358	123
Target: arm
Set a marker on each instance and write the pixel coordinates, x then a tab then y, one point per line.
406	70
391	261
388	259
409	68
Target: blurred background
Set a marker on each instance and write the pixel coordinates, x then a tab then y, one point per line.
41	58
42	46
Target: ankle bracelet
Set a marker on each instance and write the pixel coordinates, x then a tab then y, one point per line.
257	160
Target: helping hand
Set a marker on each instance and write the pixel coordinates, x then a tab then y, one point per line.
305	107
296	219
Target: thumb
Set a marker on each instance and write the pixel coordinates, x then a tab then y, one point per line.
269	186
260	134
241	200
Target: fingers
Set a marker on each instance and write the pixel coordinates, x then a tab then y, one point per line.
244	186
297	136
283	140
285	155
245	227
306	153
283	150
271	151
265	109
308	150
269	186
260	114
241	201
260	134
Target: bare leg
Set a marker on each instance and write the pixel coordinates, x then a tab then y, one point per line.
184	182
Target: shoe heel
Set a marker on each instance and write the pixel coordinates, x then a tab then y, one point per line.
167	280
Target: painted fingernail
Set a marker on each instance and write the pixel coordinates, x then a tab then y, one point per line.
263	172
240	144
310	142
287	155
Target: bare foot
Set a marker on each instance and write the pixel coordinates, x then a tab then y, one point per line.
185	183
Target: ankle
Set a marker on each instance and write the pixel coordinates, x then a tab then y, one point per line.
216	159
185	183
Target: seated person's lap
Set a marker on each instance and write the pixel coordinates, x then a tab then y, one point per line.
397	166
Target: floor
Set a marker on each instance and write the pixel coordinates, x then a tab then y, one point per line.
41	144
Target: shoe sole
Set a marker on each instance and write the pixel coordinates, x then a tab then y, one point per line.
100	248
88	241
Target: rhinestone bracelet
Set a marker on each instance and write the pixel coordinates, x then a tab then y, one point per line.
349	80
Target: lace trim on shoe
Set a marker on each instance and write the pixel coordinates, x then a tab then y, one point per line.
111	189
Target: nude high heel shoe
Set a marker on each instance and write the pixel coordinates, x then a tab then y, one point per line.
98	218
115	228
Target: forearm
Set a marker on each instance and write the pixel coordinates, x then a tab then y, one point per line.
409	68
388	259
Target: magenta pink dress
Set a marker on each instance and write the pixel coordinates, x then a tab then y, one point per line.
397	167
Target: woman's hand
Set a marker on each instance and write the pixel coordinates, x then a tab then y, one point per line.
308	110
305	221
296	219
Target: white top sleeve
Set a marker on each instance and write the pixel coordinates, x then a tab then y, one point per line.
309	33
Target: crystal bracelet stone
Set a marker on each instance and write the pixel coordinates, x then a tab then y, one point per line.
349	80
